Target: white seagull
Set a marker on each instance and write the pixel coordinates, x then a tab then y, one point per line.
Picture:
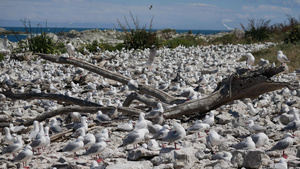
282	58
24	156
283	144
250	60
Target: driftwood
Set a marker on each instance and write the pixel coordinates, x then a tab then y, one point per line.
143	89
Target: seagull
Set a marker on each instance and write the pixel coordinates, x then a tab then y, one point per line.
16	129
88	139
252	110
282	58
283	144
104	133
213	139
260	139
198	127
95	164
245	145
97	148
75	116
142	123
295	124
254	128
250	60
35	130
103	118
13	148
24	156
70	49
154	113
74	146
54	126
134	137
83	123
8	138
153	145
48	141
281	165
162	132
223	155
176	134
210	119
132	85
152	55
125	126
40	140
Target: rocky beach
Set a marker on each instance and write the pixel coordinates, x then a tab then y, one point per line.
229	140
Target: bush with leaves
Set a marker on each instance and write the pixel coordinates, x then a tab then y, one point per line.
138	38
257	30
292	36
1	57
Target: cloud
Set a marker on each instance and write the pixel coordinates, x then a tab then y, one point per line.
274	8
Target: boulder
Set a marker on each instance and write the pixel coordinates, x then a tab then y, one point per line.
183	158
139	153
247	158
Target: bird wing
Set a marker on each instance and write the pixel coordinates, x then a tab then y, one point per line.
95	148
10	148
71	146
281	145
130	138
20	156
35	143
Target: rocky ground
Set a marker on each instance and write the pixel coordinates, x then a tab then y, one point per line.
272	110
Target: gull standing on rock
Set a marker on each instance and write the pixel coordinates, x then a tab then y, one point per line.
35	130
24	156
97	148
282	58
54	126
210	119
295	124
260	139
255	128
142	123
125	126
103	118
70	49
8	138
198	127
245	145
176	134
283	144
250	60
281	165
74	146
151	58
134	137
213	139
40	140
14	148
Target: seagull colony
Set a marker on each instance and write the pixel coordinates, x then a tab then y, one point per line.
258	133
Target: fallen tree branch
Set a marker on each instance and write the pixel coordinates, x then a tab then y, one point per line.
49	96
143	89
249	84
64	110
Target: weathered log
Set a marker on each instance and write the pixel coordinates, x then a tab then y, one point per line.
249	84
49	96
143	89
64	110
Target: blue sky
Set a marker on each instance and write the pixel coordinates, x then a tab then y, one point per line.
175	14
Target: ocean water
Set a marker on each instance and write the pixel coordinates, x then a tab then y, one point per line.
36	30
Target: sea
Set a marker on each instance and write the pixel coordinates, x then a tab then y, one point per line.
38	30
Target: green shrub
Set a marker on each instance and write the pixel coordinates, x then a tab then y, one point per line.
1	57
228	38
186	41
292	36
257	30
138	38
